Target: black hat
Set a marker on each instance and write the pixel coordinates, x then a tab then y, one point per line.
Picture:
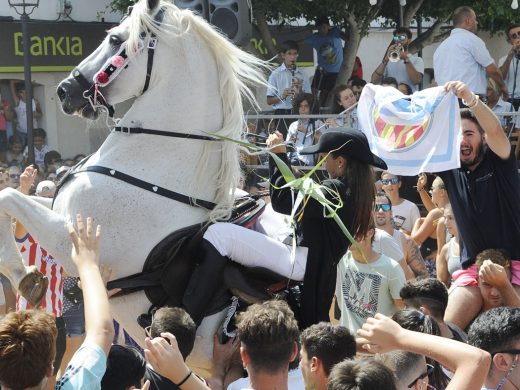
349	142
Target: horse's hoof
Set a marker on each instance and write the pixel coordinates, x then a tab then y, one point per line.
33	286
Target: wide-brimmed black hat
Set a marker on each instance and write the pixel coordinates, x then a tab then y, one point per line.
349	142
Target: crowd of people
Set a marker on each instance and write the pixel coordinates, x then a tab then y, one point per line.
418	297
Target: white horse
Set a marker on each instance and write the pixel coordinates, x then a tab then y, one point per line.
196	83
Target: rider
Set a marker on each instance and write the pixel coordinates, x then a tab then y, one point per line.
320	239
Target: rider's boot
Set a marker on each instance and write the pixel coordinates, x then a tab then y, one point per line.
29	281
204	282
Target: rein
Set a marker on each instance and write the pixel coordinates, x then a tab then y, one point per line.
140	130
92	92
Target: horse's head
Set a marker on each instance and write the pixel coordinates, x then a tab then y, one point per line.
115	71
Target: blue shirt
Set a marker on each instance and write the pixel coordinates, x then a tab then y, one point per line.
85	370
486	205
329	49
463	56
502	107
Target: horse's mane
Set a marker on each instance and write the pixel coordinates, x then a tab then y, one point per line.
237	71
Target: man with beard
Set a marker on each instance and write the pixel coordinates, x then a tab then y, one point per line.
485	198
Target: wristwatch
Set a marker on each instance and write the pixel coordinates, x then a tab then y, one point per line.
406	61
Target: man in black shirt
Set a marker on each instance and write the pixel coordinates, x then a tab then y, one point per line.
485	197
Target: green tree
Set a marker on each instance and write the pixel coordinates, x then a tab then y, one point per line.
354	18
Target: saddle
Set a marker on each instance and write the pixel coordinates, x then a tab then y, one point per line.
168	267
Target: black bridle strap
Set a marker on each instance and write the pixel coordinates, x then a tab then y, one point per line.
140	130
152	42
148	186
82	80
89	91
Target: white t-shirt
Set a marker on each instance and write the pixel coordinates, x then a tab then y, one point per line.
387	245
21	116
362	290
302	140
405	215
294	382
463	56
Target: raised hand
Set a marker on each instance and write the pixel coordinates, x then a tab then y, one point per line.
27	179
85	249
379	334
166	359
493	274
422	181
460	90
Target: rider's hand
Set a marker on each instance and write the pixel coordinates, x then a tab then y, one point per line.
275	143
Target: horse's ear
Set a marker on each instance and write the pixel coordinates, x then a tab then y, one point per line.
152	4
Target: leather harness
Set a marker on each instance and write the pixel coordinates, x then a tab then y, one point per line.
92	94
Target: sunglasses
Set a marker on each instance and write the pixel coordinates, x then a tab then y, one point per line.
514	35
14	176
428	372
382	207
393	180
400	38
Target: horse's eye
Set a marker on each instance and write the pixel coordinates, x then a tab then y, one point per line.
115	40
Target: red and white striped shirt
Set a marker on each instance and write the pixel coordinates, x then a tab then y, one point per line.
34	254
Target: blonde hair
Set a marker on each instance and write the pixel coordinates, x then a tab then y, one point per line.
237	71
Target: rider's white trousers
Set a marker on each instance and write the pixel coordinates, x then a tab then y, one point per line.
254	249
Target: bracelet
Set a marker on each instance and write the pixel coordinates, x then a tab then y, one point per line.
184	380
473	102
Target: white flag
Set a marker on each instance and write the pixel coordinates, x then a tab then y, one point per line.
413	134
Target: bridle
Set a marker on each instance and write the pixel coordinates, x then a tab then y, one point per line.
114	65
107	73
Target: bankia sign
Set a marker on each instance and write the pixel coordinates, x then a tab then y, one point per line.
54	46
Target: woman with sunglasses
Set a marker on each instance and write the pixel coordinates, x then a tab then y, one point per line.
405	212
405	68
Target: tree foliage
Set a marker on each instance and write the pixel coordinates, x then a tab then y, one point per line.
355	17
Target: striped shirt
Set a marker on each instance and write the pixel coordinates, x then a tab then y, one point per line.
34	254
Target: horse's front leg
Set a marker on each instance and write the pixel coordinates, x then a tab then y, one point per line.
48	228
